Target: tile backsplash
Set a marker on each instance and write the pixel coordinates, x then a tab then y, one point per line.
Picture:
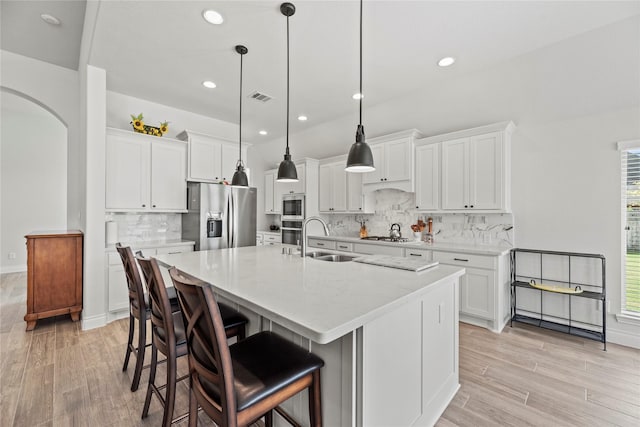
395	206
141	227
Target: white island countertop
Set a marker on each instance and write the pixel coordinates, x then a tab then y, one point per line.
320	300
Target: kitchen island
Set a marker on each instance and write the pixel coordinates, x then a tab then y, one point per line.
389	337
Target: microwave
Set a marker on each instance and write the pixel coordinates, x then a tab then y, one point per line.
293	206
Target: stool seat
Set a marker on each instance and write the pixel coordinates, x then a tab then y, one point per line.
279	364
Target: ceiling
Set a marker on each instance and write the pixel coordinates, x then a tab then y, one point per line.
161	51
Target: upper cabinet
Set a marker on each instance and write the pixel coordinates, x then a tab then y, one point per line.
393	159
340	191
307	170
211	159
474	166
144	173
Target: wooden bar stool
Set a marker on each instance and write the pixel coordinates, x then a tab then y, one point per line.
237	385
168	337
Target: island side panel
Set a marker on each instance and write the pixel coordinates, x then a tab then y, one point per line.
410	360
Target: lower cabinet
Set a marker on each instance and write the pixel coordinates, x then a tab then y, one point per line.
117	281
477	293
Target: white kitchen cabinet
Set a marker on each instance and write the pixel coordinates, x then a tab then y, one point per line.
427	182
392	161
210	158
144	173
477	296
333	188
307	184
355	198
271	239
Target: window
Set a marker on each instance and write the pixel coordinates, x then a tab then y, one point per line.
630	162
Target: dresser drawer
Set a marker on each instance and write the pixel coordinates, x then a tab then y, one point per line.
318	243
464	260
344	246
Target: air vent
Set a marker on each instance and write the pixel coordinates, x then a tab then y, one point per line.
259	96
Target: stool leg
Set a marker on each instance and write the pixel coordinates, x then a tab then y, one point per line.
142	343
152	380
129	343
170	396
315	402
193	409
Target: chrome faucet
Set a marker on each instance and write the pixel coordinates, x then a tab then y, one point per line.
303	245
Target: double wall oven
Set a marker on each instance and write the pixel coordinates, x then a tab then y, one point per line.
291	218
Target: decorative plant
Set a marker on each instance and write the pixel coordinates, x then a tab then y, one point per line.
140	127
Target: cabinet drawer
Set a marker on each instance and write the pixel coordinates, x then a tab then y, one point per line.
362	248
344	246
324	244
174	249
418	253
464	260
273	238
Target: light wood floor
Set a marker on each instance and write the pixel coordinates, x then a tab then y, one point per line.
58	375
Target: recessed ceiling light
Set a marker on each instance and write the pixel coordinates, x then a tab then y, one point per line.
446	61
357	96
212	17
208	84
302	118
50	19
263	132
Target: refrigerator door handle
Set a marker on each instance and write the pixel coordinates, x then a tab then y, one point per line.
231	221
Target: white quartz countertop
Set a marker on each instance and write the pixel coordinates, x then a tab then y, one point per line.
319	300
443	247
151	244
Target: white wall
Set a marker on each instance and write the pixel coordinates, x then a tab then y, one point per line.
33	176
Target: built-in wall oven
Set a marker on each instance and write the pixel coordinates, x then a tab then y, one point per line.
293	207
291	232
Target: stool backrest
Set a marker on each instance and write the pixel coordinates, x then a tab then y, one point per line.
134	283
209	356
159	304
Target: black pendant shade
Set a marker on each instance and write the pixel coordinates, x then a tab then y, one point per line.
240	176
287	170
360	158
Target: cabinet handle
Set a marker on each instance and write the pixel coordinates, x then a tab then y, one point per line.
343	247
415	254
471	206
466	206
461	259
417	207
320	244
154	206
144	206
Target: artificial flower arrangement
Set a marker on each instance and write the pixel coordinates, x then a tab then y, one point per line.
140	127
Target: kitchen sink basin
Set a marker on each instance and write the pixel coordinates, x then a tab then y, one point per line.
328	256
335	258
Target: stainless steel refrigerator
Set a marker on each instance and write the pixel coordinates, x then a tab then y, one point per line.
220	216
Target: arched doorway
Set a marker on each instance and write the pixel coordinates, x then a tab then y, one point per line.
33	176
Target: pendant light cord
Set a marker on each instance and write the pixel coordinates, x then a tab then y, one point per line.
287	85
240	130
361	63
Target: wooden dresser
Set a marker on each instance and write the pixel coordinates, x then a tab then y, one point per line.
54	275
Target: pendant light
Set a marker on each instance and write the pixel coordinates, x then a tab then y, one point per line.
360	158
287	169
240	176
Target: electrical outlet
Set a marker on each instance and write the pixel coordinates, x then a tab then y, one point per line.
12	255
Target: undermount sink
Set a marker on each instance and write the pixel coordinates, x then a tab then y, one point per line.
327	256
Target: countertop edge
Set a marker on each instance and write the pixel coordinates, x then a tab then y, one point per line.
151	244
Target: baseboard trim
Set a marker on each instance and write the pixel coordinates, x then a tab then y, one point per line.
13	269
94	322
627	339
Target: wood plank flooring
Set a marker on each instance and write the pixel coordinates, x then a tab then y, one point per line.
58	375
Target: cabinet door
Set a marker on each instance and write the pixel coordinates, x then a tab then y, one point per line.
127	173
168	176
204	159
485	171
455	167
118	291
229	157
339	187
397	160
378	161
428	177
269	181
477	293
325	178
354	192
